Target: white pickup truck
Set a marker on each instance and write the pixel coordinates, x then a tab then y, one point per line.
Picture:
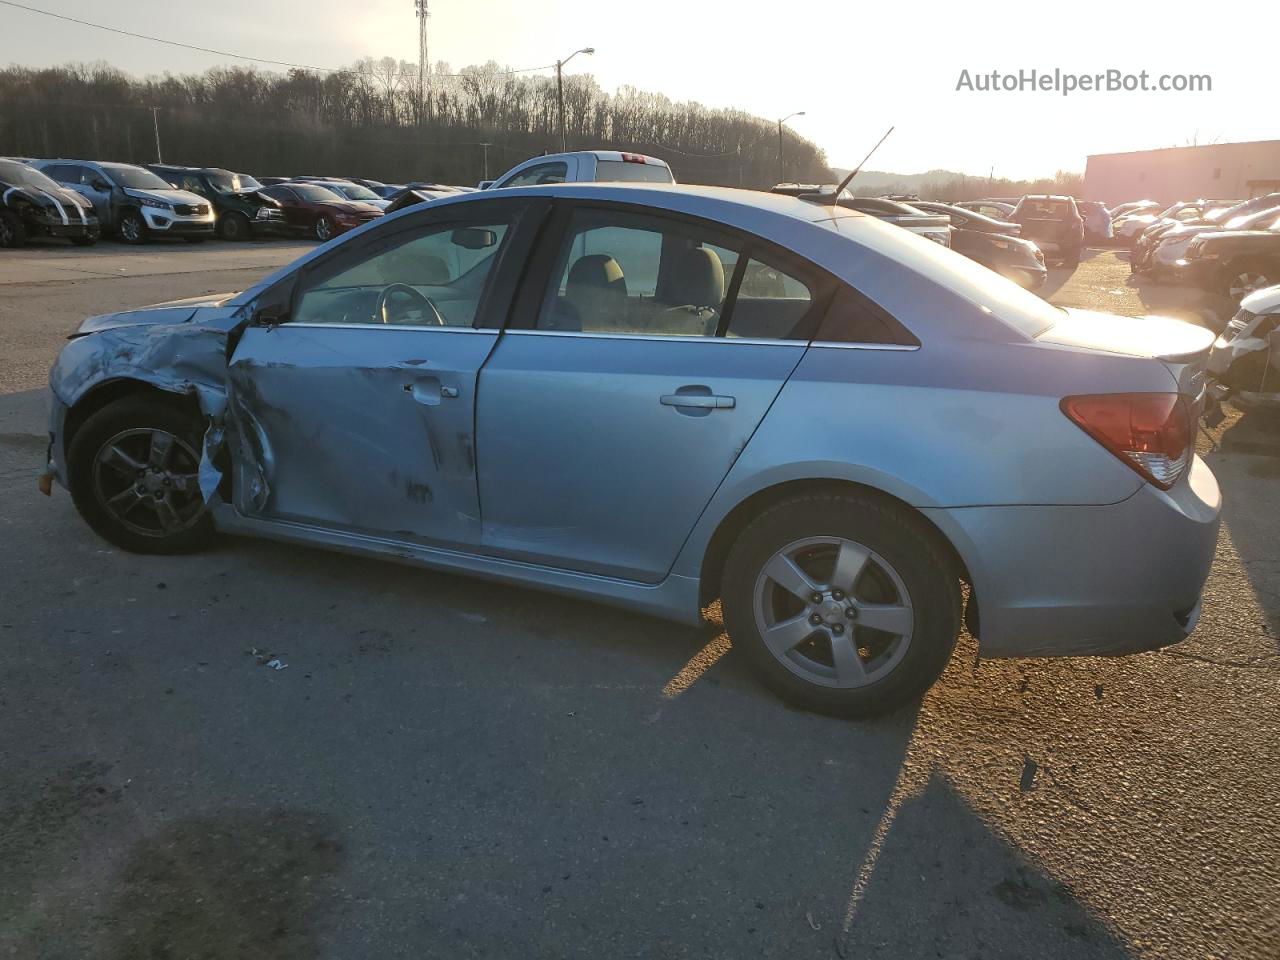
584	166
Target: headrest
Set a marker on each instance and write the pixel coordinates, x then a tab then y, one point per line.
697	279
596	272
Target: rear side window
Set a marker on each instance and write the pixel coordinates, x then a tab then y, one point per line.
626	171
852	318
538	174
773	303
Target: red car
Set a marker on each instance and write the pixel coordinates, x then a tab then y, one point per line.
318	212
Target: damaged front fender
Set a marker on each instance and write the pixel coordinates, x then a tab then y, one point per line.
185	358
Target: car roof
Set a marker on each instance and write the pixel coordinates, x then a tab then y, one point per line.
694	199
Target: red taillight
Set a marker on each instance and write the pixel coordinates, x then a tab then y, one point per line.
633	158
1151	432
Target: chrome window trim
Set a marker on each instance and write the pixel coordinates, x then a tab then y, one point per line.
839	345
434	327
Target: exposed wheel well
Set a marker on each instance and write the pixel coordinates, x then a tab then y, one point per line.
718	548
113	390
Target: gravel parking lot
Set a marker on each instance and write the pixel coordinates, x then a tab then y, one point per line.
449	768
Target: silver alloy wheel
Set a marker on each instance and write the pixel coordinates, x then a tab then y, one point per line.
324	229
148	480
131	228
833	612
1247	282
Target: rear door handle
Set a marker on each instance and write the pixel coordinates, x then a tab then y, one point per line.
700	400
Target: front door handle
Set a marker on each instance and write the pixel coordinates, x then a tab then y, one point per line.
430	391
699	400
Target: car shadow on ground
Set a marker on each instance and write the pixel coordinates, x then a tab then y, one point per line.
459	767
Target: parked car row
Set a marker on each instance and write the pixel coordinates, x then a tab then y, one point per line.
83	200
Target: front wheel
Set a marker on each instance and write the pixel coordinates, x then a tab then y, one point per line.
324	228
842	604
13	233
1249	276
234	226
133	229
133	469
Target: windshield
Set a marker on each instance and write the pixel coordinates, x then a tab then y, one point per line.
19	174
135	178
632	172
353	191
1252	221
309	191
233	182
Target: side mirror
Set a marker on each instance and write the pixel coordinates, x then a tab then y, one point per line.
473	238
101	186
485	184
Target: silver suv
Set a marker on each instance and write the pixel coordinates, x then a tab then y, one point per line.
132	202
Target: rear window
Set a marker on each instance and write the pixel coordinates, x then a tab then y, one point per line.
1044	209
631	172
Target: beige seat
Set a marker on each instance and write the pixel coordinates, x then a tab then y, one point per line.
595	296
695	292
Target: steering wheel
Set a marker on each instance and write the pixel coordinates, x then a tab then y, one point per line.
381	314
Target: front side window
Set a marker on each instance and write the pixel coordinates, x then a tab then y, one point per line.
622	272
538	174
314	192
429	276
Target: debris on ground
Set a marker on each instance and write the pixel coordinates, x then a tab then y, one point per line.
266	659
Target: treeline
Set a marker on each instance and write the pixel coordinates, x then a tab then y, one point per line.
960	187
375	120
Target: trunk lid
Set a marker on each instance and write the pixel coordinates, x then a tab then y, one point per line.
1182	347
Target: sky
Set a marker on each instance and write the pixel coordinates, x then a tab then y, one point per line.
854	70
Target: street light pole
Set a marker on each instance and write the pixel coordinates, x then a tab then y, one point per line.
781	173
564	146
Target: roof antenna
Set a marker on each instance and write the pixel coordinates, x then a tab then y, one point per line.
835	197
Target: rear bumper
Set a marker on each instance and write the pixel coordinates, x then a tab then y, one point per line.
1089	581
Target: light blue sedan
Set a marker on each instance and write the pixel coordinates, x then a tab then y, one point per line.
660	396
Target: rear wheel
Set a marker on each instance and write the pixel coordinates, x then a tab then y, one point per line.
133	470
842	604
12	231
132	228
1071	257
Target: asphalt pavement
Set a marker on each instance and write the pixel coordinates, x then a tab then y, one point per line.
449	768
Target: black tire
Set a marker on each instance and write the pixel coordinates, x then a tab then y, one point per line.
132	228
901	541
123	424
13	232
1239	278
324	229
84	241
1072	258
235	226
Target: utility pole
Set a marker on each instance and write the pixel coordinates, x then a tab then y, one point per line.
564	146
155	122
486	159
560	91
798	113
424	59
